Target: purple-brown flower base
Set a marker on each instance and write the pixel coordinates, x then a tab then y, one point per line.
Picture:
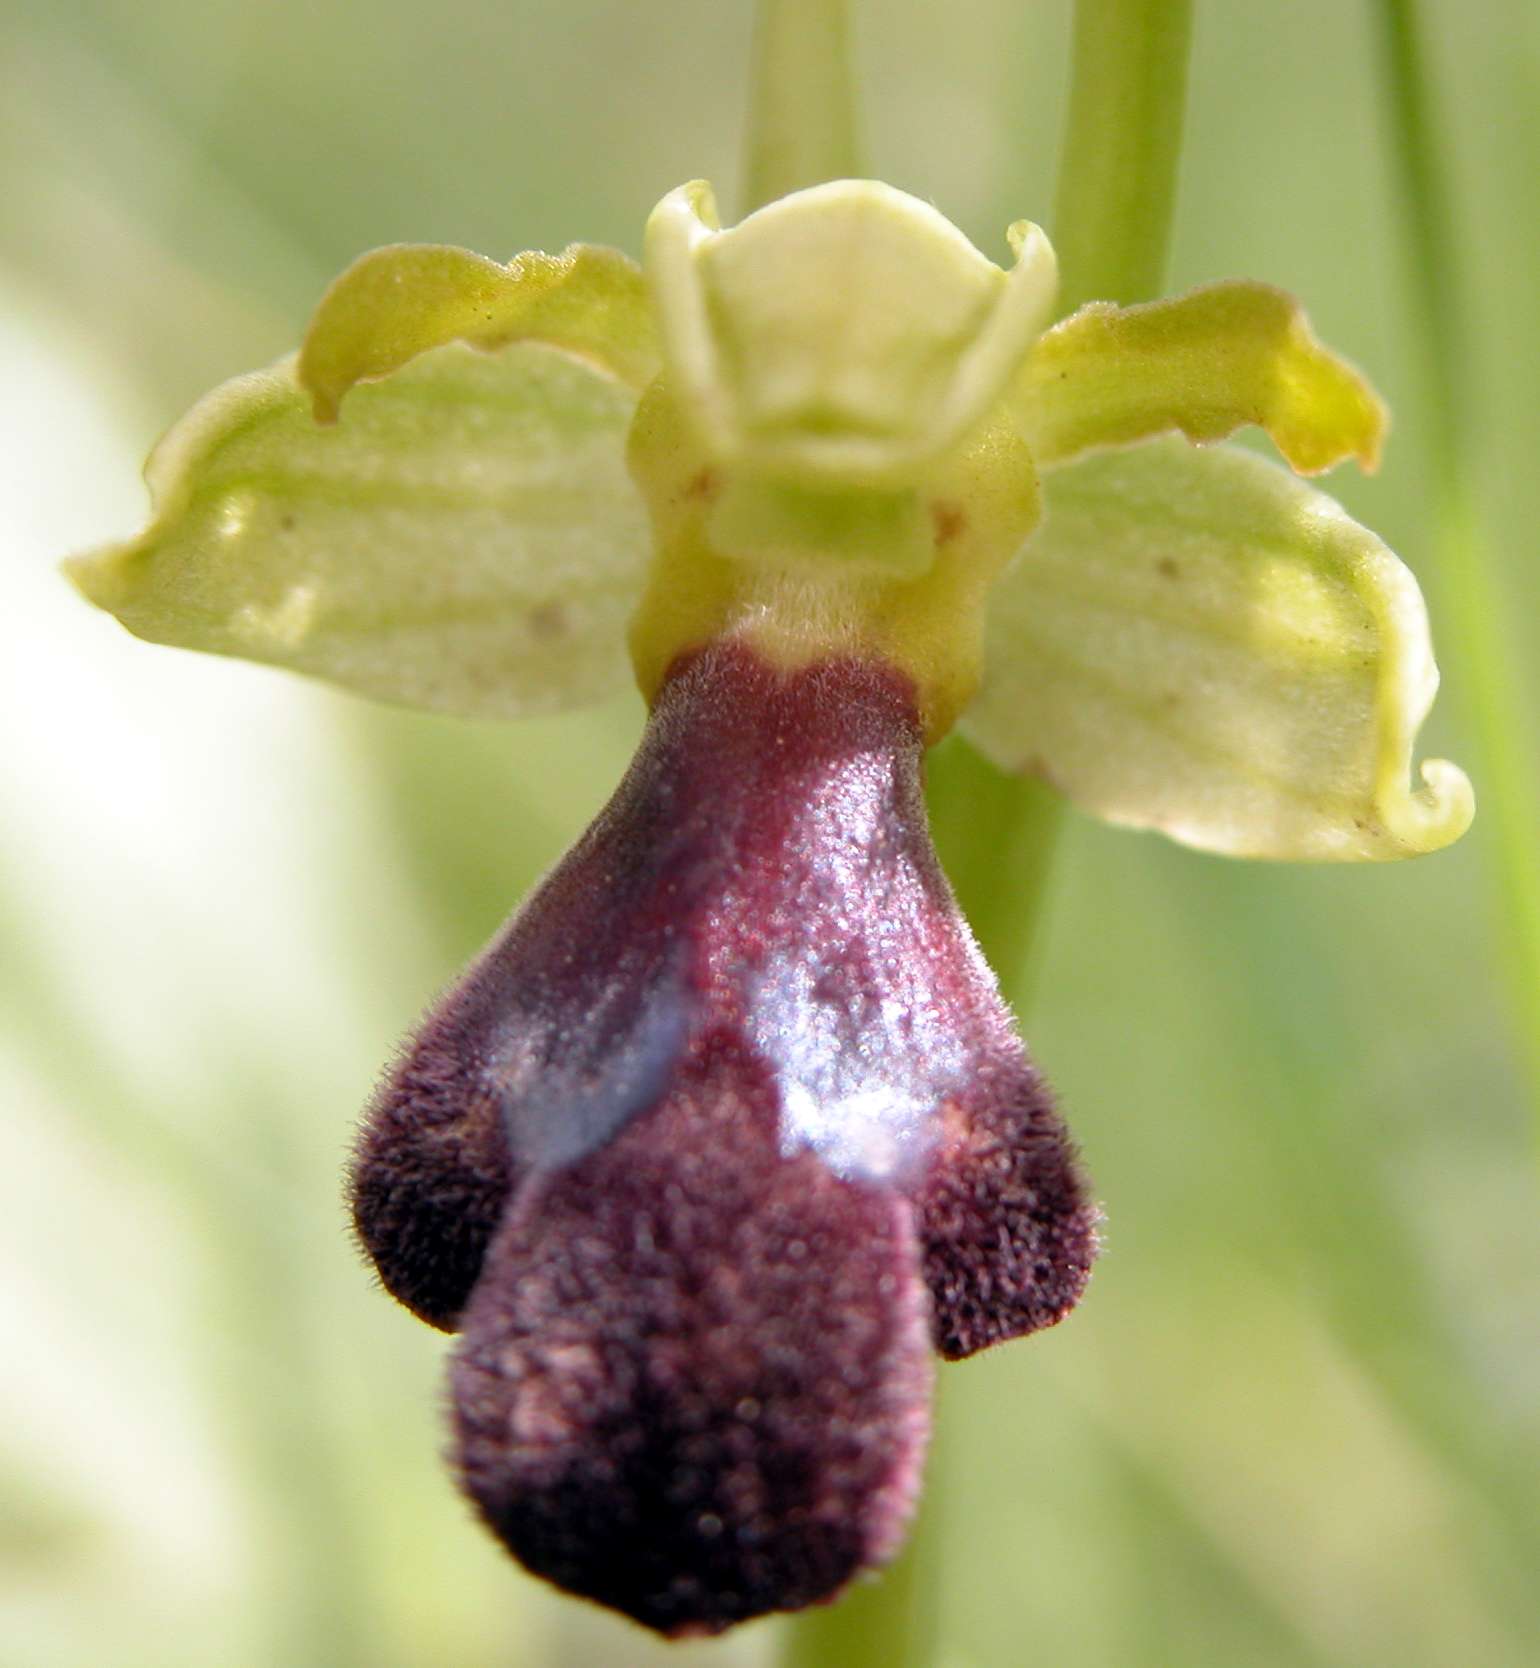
724	1132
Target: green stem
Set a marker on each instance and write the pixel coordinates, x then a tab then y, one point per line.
1122	142
1112	228
997	836
1483	657
802	126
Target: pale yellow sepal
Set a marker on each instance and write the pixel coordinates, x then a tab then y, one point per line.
1197	642
468	541
1206	364
395	303
843	337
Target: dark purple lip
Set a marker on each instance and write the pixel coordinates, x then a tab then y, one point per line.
725	1128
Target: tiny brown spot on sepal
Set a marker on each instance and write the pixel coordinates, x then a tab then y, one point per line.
548	622
949	521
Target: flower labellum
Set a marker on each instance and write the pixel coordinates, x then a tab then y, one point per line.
723	1132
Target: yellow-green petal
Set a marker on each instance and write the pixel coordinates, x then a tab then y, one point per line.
395	303
467	541
1197	642
1206	363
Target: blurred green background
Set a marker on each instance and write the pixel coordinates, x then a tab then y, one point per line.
1296	1423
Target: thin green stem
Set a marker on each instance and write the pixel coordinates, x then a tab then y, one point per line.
1122	142
997	836
802	125
1482	653
1112	229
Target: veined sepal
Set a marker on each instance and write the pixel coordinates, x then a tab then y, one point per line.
1198	642
466	540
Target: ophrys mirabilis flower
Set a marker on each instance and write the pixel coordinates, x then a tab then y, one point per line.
729	1129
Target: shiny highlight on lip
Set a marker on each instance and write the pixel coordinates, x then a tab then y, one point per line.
723	1133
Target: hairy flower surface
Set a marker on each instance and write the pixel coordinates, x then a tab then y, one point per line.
702	1186
728	1129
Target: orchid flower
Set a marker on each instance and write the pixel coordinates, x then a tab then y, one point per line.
728	1130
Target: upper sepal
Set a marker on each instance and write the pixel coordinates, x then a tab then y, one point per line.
468	541
843	336
1195	641
1205	363
407	298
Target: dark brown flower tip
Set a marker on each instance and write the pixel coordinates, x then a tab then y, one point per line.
739	1087
694	1379
1008	1238
432	1173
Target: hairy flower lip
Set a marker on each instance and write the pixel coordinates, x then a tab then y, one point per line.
693	1382
783	1038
